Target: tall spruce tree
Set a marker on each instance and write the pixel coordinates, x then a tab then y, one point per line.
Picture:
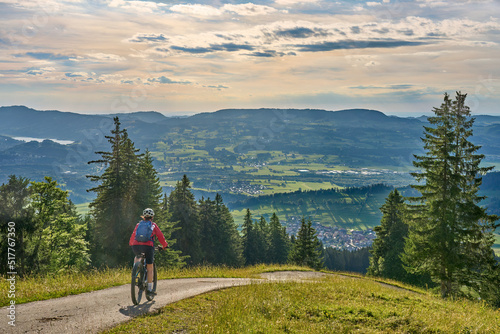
228	248
132	162
149	190
171	257
220	240
279	241
450	235
387	248
249	239
208	229
184	212
262	240
306	249
115	210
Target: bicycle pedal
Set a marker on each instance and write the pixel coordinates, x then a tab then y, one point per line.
151	293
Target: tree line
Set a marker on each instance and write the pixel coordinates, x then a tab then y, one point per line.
443	236
49	234
52	237
332	193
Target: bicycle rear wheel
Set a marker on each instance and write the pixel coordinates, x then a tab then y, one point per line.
155	281
137	283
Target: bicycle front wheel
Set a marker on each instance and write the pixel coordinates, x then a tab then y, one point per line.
136	285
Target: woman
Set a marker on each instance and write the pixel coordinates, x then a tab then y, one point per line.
146	246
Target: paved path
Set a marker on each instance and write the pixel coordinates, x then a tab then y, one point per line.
95	311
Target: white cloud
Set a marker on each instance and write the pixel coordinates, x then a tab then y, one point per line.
98	57
33	4
294	2
105	57
440	3
40	71
291	37
196	10
137	6
373	4
249	9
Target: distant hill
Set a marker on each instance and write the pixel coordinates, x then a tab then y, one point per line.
26	122
7	142
143	116
233	151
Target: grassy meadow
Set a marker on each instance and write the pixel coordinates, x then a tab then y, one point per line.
335	304
338	303
358	209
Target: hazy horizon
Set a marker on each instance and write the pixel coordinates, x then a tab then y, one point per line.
191	113
183	58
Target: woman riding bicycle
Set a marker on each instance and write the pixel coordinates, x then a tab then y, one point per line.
147	247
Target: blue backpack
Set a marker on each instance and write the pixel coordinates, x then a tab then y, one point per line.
144	232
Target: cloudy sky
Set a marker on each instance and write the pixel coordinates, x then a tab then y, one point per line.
182	57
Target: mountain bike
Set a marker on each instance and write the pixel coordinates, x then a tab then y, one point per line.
139	284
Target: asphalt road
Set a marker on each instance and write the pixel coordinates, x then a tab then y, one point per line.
95	311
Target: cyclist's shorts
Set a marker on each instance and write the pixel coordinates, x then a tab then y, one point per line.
148	250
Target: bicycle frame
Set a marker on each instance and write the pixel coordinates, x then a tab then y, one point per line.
139	282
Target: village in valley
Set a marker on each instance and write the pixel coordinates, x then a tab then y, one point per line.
336	237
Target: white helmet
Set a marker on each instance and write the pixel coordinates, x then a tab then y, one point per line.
148	212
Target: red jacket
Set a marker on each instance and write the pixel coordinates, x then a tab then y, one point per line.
156	231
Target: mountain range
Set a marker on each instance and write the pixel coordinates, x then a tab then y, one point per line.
228	150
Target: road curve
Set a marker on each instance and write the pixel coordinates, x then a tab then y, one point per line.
95	311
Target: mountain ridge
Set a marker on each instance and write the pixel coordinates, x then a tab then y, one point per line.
249	150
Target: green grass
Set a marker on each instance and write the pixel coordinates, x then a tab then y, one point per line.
275	186
53	286
63	284
336	304
352	211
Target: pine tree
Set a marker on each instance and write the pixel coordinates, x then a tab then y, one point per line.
220	240
279	241
388	247
149	189
115	209
206	215
306	251
184	212
228	248
262	240
14	199
450	235
132	182
249	240
171	257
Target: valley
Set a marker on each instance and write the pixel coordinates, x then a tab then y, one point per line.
314	163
